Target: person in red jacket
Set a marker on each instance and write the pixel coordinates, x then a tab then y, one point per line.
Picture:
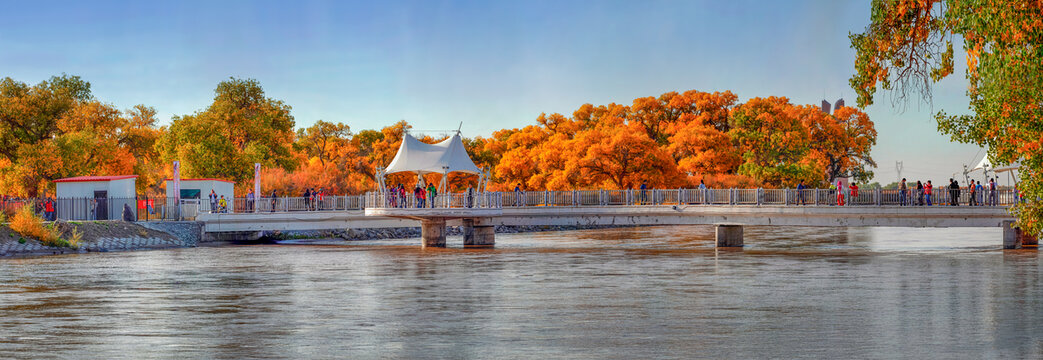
854	192
840	193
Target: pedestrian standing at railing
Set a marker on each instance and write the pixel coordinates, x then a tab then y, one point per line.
273	200
979	191
954	193
840	193
418	195
222	205
702	190
992	192
432	194
249	201
402	196
213	200
800	191
903	192
919	192
854	193
928	190
519	196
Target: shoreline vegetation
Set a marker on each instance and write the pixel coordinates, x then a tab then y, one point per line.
113	235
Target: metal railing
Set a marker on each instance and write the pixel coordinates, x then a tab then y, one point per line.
819	197
160	208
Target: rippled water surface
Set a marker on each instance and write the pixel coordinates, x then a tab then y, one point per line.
619	293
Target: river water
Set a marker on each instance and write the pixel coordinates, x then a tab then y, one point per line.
651	292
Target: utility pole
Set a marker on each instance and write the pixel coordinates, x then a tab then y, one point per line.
898	168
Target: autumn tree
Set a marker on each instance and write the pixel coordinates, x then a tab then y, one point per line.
241	127
840	142
908	45
772	140
57	129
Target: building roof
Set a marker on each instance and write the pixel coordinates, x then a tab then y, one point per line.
446	156
201	180
96	178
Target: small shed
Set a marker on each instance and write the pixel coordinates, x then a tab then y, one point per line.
95	197
200	189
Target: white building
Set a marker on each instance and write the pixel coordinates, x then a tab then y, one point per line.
200	189
95	197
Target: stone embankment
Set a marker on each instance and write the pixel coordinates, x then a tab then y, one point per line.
105	236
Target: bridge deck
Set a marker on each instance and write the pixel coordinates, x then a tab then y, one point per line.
848	216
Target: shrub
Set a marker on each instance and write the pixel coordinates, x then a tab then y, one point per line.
28	224
21	240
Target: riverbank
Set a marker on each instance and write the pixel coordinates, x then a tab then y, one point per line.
105	236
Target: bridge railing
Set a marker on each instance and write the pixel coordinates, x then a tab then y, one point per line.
821	197
451	200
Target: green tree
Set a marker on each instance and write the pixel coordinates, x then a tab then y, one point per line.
909	44
241	127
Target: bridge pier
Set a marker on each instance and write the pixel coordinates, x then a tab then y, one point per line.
1015	238
479	232
432	231
728	235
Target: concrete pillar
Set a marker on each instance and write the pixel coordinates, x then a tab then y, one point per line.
1015	238
729	235
432	231
479	232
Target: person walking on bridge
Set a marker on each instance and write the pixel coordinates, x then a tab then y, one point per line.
854	193
954	193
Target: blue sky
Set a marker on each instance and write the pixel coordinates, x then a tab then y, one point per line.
488	64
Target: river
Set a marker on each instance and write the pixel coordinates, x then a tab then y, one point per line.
651	292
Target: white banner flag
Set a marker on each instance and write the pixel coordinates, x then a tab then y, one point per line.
257	183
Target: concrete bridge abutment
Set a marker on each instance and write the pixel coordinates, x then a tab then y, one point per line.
479	232
1015	238
728	235
432	232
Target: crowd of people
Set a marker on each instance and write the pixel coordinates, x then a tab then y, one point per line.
978	194
397	196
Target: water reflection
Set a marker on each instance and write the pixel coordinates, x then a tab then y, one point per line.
620	293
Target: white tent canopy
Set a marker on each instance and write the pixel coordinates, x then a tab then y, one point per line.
446	156
986	165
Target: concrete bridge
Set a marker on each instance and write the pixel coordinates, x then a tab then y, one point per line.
479	223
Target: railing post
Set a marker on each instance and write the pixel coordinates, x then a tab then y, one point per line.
785	196
731	196
760	196
878	197
816	197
